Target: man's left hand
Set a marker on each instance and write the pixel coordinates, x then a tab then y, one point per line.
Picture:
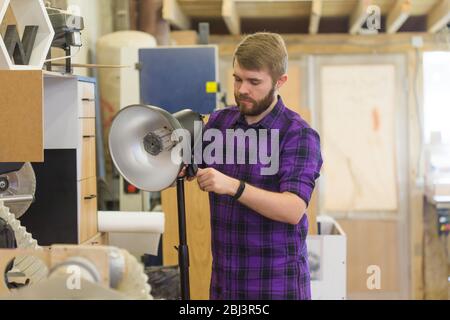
211	180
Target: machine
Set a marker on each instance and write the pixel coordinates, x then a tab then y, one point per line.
17	186
68	29
32	272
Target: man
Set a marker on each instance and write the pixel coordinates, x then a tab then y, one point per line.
258	222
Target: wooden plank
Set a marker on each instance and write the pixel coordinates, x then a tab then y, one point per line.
88	127
384	5
100	239
292	8
88	163
381	238
184	37
174	15
421	7
198	236
360	172
273	9
338	8
416	226
21	120
316	13
439	16
359	16
201	8
398	15
299	45
231	17
88	209
8	19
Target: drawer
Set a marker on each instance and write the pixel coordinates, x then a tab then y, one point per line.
87	90
88	158
86	95
88	209
100	239
87	127
87	109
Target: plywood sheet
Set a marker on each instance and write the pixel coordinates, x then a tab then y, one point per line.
371	243
184	37
358	133
198	236
9	19
21	116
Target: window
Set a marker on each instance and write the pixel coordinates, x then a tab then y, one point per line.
437	95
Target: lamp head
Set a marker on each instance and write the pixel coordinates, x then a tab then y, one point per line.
145	144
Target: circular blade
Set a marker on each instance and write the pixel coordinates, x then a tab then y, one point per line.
21	183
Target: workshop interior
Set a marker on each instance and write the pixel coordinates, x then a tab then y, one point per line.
92	205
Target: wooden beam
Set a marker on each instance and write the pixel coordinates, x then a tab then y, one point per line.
300	44
173	14
398	15
439	16
231	17
316	13
359	16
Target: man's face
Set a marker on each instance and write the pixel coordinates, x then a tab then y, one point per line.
254	91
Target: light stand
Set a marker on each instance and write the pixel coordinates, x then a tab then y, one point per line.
141	147
183	251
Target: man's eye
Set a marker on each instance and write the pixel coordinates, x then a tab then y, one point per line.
255	83
237	80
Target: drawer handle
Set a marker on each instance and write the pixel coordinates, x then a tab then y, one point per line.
89	136
92	196
87	99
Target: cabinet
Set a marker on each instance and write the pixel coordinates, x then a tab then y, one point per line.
65	208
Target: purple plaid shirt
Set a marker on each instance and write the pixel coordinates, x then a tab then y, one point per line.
255	258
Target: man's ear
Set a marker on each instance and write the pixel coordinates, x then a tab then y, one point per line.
281	81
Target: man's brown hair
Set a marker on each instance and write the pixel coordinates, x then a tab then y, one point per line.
263	50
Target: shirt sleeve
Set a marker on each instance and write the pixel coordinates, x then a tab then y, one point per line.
300	163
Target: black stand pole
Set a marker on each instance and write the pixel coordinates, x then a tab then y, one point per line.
183	252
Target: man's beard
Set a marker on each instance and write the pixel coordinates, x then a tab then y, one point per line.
258	107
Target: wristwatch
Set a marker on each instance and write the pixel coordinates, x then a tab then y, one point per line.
240	190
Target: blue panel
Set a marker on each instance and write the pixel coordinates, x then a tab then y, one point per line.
175	78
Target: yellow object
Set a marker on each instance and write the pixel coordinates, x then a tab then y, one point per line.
212	87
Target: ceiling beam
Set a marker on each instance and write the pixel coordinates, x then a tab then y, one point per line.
439	16
173	14
398	15
231	17
359	16
316	13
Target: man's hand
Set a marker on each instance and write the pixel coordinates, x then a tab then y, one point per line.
183	174
211	180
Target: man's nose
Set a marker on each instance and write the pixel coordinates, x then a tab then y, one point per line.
244	89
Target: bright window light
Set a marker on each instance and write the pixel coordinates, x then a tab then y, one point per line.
437	95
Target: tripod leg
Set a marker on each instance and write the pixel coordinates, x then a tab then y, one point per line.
183	251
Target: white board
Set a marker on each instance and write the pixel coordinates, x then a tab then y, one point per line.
358	136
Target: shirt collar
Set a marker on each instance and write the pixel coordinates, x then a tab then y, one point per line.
266	122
